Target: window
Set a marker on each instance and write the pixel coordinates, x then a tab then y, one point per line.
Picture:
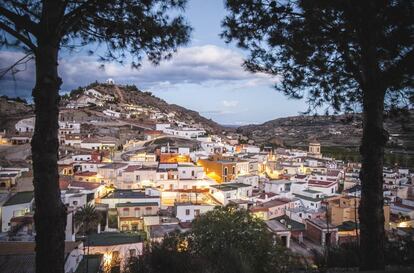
125	212
225	171
233	170
196	212
192	173
132	252
115	255
75	203
138	178
187	212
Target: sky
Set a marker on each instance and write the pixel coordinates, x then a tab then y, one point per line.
205	76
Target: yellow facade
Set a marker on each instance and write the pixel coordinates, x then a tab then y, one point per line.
346	209
219	170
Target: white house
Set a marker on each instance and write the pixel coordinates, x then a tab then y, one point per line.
17	205
249	179
82	157
150	195
310	199
326	187
281	187
25	125
225	192
112	113
190	171
187	211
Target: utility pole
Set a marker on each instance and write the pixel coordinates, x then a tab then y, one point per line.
356	215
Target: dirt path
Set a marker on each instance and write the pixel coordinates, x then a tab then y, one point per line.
120	95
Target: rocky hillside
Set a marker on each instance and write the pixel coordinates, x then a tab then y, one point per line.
130	94
11	111
341	130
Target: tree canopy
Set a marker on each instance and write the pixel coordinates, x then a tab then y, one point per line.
127	29
225	239
316	48
344	55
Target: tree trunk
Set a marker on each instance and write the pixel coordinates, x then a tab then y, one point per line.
371	213
50	213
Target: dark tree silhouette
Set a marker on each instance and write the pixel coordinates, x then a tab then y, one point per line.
127	30
344	54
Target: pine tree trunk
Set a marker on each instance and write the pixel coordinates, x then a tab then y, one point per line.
50	213
371	213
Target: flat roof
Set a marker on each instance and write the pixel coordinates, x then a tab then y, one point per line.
311	191
20	198
136	204
269	204
113	166
307	198
294	225
24	248
119	194
229	186
114	238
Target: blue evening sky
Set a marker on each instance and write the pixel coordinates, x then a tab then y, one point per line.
204	76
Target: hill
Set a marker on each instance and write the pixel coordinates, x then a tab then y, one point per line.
130	94
13	110
339	130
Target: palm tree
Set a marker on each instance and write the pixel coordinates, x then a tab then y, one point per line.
88	218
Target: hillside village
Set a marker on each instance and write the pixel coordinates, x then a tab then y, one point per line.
151	170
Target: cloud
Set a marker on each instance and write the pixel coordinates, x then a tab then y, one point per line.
230	103
195	65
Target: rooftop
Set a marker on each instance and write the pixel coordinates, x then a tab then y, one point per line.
136	204
269	204
113	166
114	238
230	186
19	198
119	194
307	198
24	248
294	225
348	226
318	183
